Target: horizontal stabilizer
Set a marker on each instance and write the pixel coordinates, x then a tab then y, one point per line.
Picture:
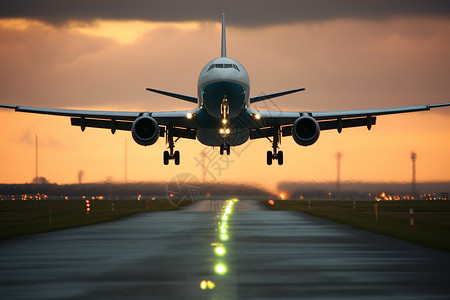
274	95
173	95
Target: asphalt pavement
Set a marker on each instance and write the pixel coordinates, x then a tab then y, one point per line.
173	255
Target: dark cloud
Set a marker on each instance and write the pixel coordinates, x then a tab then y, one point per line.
240	13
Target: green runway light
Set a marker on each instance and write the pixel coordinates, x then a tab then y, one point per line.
224	218
220	251
224	237
220	269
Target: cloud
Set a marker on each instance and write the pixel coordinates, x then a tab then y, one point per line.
240	13
343	64
28	138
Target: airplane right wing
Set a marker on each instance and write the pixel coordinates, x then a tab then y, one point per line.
263	125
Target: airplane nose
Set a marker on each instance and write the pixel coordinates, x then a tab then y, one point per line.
214	95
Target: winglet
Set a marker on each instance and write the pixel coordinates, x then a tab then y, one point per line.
224	41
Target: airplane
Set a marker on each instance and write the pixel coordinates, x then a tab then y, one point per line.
224	116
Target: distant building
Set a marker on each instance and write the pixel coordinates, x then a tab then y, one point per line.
40	180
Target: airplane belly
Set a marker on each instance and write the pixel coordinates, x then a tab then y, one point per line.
212	137
208	130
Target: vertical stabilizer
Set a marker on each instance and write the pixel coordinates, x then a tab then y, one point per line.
224	40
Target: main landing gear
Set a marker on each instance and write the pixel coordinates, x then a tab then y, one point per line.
275	154
169	155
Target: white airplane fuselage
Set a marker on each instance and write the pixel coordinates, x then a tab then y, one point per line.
223	96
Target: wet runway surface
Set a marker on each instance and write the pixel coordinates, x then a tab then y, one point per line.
269	255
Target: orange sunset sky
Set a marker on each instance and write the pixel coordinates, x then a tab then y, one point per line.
346	59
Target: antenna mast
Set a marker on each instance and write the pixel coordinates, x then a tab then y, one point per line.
36	157
126	157
413	182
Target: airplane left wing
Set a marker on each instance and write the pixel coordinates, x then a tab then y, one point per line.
114	120
131	116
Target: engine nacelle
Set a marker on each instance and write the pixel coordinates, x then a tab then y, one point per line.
305	131
145	131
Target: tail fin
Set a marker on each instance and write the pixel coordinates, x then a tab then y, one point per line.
224	41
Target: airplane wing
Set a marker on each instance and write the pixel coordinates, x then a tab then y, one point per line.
274	95
174	95
112	119
326	119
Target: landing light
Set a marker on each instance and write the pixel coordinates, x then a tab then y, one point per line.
257	116
189	116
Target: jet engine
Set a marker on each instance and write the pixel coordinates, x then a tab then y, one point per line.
305	131
145	131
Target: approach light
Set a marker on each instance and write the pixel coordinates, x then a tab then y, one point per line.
227	131
222	131
224	121
210	284
203	284
207	285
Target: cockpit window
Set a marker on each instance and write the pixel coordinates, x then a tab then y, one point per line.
221	66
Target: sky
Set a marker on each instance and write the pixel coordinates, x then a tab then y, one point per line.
351	55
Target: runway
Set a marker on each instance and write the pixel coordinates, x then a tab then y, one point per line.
269	255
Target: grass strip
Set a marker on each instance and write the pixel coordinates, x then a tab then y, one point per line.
431	218
19	218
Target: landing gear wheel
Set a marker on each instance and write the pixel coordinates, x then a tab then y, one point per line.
176	157
269	157
223	148
280	157
166	157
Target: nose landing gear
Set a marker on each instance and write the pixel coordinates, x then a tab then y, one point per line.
224	131
224	147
